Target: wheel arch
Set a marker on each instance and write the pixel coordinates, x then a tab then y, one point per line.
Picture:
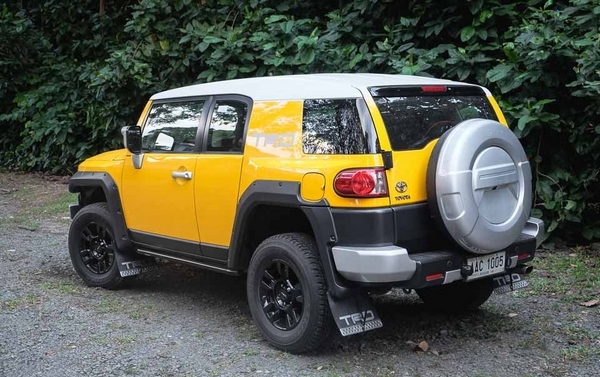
94	187
263	204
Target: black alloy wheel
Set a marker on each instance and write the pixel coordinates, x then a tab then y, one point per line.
96	248
287	293
281	295
92	248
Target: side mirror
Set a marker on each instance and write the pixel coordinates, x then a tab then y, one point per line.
132	139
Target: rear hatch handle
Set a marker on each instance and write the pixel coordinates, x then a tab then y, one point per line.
388	161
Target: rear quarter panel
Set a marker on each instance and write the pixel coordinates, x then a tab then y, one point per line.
273	151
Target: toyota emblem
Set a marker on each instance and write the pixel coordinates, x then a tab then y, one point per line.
401	187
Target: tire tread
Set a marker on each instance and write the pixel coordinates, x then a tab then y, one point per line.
306	246
100	209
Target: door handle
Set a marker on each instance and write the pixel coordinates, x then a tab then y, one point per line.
182	174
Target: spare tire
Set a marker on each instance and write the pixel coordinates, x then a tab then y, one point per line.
479	185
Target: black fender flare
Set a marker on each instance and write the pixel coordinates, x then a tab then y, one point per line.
287	194
103	180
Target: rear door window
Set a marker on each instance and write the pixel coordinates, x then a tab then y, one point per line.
338	126
227	126
413	117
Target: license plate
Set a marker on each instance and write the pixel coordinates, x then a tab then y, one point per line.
487	265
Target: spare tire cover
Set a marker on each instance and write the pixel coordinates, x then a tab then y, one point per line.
479	185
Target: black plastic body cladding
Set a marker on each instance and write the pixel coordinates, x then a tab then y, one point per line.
287	194
277	193
409	226
83	180
364	227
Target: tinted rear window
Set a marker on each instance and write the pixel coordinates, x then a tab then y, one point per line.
338	126
414	119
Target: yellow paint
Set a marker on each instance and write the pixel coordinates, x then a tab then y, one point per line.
497	110
110	163
144	113
313	187
102	158
217	179
283	118
154	202
384	141
283	160
409	166
203	209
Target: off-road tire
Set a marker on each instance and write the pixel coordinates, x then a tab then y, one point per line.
299	251
457	297
94	213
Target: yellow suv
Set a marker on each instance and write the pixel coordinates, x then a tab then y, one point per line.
322	189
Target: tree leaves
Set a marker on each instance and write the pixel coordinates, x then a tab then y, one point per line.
498	72
92	75
467	33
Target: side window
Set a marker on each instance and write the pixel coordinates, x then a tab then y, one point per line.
227	125
340	126
172	127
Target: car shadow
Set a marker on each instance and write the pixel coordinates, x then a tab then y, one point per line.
407	321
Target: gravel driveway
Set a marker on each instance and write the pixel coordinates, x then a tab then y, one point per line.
180	321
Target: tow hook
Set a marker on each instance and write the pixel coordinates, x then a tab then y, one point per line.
523	269
466	270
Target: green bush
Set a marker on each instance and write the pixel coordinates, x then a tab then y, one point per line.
82	76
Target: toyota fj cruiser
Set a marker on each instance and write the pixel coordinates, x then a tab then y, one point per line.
321	188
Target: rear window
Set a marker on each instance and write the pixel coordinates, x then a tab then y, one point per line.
338	126
413	117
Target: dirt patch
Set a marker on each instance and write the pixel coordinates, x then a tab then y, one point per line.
180	321
32	201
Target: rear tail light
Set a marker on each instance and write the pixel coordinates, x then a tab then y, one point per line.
361	183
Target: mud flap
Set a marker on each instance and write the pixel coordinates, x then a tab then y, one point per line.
131	263
354	314
508	283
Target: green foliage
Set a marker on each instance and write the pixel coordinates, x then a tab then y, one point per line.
70	78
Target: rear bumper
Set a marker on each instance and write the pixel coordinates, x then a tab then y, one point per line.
374	264
394	265
535	228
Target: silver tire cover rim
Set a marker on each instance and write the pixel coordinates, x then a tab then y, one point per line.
483	185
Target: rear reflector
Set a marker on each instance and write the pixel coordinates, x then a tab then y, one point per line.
433	88
523	256
361	183
434	277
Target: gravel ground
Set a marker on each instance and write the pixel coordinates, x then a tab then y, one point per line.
180	321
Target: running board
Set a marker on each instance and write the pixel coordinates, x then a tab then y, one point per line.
222	270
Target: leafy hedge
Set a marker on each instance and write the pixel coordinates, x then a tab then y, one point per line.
70	77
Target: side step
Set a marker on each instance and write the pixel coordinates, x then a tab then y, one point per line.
196	263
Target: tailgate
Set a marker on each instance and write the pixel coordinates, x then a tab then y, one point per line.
412	118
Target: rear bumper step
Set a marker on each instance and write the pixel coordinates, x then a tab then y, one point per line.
394	265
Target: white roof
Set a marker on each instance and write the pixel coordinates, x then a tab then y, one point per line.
296	87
